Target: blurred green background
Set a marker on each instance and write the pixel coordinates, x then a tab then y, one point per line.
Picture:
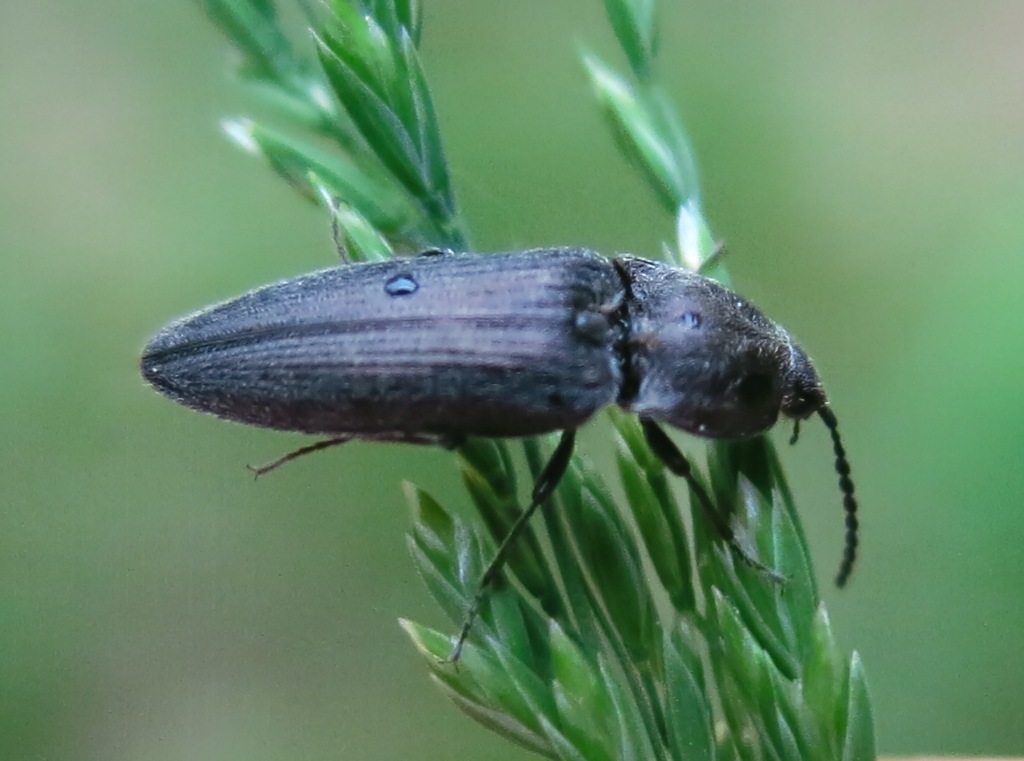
865	164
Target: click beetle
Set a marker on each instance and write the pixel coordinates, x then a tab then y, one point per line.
442	346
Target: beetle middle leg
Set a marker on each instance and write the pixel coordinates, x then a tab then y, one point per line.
448	441
542	491
676	462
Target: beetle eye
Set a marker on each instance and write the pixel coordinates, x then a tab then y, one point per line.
690	320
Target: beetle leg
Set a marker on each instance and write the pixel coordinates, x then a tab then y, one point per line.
262	470
676	461
445	440
542	490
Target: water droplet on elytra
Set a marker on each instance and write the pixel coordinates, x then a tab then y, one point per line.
401	285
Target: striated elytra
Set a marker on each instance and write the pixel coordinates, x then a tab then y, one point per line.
437	348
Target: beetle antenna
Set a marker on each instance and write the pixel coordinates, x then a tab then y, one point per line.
849	500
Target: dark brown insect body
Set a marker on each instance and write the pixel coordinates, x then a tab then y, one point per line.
439	347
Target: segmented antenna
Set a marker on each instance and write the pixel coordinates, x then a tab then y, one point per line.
849	501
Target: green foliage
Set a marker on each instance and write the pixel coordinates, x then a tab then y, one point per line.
629	632
367	100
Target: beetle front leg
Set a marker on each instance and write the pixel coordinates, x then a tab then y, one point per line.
666	451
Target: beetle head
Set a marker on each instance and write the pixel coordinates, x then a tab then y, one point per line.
803	393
